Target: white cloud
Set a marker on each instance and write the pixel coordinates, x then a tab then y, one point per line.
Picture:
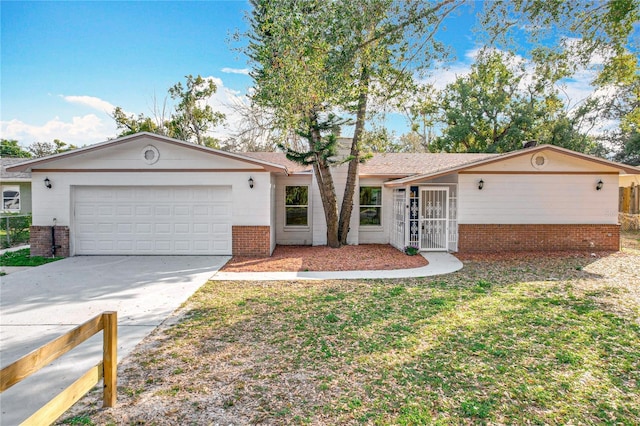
91	102
243	71
80	130
223	101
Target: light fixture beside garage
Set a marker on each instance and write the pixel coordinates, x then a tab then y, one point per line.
599	185
250	182
480	185
47	182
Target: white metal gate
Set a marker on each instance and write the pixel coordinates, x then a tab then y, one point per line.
434	219
399	213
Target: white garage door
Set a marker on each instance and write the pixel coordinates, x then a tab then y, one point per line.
153	220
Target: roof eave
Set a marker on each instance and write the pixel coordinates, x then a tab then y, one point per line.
8	180
28	165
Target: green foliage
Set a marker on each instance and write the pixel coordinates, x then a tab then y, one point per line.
11	148
498	106
630	150
42	149
595	35
78	420
379	139
313	57
23	258
14	229
190	119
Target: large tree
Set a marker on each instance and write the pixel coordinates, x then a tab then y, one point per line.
314	58
599	36
506	100
12	149
190	119
42	149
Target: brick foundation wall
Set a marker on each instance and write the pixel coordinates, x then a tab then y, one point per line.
499	238
252	241
40	241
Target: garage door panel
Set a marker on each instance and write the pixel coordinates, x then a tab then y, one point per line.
163	245
201	228
105	228
143	228
152	220
182	210
181	228
143	210
163	228
125	228
124	210
164	210
126	246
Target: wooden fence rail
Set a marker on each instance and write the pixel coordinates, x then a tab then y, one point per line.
629	200
105	369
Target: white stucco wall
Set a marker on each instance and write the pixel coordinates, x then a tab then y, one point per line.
129	155
250	206
537	199
556	162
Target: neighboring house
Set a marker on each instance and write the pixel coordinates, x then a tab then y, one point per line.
16	187
149	194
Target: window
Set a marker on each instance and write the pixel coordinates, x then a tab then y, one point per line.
370	205
296	205
11	198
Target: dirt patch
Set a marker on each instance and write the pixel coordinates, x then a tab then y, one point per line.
365	257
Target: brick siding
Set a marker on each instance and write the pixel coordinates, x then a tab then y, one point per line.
253	241
500	238
40	241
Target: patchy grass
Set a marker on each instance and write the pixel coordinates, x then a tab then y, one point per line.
522	341
23	258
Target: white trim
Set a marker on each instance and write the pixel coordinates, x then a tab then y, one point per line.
371	227
292	228
153	158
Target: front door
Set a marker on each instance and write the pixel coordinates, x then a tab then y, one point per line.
434	219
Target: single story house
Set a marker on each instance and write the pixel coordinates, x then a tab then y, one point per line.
148	194
16	187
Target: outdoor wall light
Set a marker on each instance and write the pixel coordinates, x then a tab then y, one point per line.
251	182
47	182
480	184
599	185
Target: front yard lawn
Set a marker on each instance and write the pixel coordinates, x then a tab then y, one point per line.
23	258
545	340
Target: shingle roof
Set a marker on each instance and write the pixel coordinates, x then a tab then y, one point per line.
391	164
278	158
416	163
8	176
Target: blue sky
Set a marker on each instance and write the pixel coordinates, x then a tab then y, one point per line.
65	65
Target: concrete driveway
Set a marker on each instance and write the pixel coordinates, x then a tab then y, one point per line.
39	304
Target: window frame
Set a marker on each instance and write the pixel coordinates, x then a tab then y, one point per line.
15	188
368	206
286	206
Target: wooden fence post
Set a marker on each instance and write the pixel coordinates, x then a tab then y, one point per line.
110	358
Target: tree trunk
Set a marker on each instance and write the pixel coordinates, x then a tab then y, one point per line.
327	193
352	174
